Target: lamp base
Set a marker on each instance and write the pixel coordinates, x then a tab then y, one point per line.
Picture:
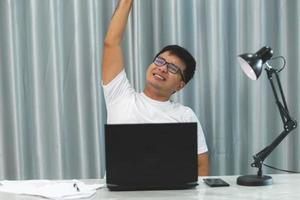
254	180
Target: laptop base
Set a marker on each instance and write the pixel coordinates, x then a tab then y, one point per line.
114	187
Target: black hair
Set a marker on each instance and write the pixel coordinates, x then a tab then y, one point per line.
183	55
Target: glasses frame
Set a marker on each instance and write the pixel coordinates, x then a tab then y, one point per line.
169	65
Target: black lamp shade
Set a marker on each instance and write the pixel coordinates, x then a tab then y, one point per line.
252	64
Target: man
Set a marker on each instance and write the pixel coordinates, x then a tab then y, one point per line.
170	71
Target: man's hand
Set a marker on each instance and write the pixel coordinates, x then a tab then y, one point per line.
112	60
203	165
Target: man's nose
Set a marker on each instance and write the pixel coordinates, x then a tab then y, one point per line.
163	68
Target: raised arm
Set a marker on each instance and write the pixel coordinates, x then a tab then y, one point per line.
112	60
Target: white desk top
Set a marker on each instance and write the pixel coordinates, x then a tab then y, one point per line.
285	187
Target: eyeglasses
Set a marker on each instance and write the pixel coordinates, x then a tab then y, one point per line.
159	61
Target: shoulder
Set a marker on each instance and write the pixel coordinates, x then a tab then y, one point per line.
190	115
117	88
120	77
186	113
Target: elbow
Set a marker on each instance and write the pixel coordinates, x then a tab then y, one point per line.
111	43
108	43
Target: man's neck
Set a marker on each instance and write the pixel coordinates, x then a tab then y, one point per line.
155	96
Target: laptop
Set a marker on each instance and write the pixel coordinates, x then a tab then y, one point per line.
151	156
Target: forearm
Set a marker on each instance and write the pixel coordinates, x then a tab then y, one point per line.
118	23
203	165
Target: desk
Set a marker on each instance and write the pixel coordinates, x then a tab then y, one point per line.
285	187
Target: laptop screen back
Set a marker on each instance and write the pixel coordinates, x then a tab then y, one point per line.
151	154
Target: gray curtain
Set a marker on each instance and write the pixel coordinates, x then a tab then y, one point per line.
52	110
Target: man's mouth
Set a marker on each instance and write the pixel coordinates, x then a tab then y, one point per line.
159	77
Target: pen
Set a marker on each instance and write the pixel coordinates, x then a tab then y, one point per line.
76	186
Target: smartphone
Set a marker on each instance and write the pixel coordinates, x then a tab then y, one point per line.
215	182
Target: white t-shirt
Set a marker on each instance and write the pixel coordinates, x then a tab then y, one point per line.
125	106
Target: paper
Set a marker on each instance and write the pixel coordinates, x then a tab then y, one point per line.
71	189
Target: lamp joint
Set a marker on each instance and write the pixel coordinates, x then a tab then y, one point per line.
290	125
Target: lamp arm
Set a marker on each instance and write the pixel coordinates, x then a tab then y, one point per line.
288	123
283	108
263	154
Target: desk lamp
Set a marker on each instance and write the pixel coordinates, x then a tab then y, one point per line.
252	65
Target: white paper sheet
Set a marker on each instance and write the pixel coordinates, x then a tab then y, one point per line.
59	190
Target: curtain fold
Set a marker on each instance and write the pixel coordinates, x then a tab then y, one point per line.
52	110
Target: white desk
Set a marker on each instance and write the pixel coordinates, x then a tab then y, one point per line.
285	187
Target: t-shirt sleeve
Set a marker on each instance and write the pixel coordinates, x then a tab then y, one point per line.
117	88
191	117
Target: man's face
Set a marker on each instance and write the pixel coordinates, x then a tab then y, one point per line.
161	79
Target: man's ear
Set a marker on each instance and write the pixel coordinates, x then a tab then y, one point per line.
180	86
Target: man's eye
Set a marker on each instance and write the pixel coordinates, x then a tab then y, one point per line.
161	62
173	67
